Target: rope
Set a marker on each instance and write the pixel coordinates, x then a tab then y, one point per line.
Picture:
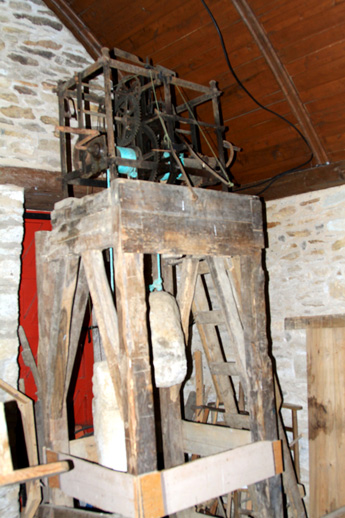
191	113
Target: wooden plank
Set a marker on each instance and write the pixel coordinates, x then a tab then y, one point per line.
206	439
315	322
219	474
20	476
84	448
150	497
101	487
326	401
186	226
178	488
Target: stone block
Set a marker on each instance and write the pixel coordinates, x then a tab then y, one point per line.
8	307
169	355
108	425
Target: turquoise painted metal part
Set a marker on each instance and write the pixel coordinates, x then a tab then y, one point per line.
130	154
166	154
157	283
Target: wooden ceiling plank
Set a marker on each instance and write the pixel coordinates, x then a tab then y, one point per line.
318	59
330	72
282	78
331	16
287	15
312	43
243	48
68	17
177	24
306	180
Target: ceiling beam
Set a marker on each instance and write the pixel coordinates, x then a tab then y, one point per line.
283	78
306	180
77	27
42	188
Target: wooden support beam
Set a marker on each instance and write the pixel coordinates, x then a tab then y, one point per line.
42	188
186	226
260	386
20	476
157	494
137	385
56	284
206	439
315	322
282	77
170	398
79	308
106	316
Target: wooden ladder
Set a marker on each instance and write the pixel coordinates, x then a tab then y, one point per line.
229	312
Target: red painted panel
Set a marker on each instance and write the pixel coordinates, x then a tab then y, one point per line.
82	378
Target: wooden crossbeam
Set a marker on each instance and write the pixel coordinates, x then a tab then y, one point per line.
157	494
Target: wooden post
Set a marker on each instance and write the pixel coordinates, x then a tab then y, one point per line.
260	386
326	401
137	385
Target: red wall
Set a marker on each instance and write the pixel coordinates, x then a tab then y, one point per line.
82	391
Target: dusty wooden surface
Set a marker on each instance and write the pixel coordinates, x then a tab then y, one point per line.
326	400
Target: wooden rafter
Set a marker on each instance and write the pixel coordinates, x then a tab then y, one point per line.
282	77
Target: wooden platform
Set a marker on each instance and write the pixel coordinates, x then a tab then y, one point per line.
207	231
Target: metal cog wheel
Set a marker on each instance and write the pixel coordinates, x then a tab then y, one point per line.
127	118
129	84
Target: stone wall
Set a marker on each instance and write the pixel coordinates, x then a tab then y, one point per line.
306	267
36	51
11	236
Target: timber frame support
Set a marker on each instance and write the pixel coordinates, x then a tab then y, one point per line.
211	232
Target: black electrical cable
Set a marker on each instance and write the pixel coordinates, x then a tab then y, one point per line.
239	82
